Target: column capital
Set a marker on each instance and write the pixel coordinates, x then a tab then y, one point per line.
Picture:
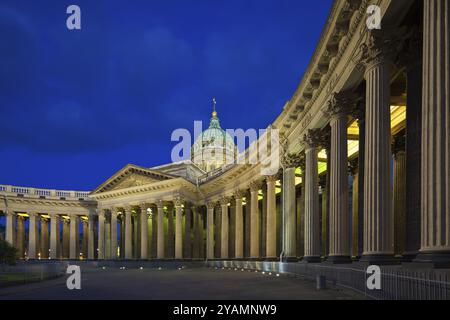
144	206
380	45
210	205
398	144
178	201
353	166
313	138
290	160
271	179
340	104
411	55
10	213
159	204
255	186
33	214
239	194
224	201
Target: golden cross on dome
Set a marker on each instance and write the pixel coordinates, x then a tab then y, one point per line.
214	114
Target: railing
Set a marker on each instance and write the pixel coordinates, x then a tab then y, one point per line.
47	193
397	283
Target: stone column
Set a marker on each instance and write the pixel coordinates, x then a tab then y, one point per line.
435	166
91	222
378	219
239	243
10	224
254	220
179	229
66	238
128	233
160	241
84	248
399	194
113	233
108	236
353	167
224	232
312	213
144	231
101	234
170	253
73	237
44	239
187	231
359	113
339	219
271	222
32	235
289	162
54	236
20	236
196	246
412	58
210	231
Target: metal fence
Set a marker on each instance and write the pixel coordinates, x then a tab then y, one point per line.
26	272
397	283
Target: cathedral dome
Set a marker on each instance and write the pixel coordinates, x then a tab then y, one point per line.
213	147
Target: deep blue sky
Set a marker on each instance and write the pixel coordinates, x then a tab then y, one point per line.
75	106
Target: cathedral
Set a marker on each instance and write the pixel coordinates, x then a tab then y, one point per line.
364	174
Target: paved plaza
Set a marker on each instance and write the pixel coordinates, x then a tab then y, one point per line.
174	284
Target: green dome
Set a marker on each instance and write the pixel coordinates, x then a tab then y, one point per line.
212	146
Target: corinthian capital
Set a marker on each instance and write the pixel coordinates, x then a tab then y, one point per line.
380	44
224	201
290	160
255	186
313	138
340	103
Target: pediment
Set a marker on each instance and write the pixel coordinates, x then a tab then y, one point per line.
131	176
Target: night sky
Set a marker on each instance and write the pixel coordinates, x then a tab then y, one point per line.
76	106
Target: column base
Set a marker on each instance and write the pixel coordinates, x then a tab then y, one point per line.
339	259
312	259
271	259
379	259
435	259
290	259
409	256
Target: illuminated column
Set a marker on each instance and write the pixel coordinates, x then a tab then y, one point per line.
187	231
378	219
224	233
113	233
73	237
10	221
254	220
44	238
210	231
353	167
128	233
144	231
84	248
271	223
54	222
32	236
239	243
196	246
160	243
101	234
399	194
170	253
339	219
289	162
179	228
20	236
435	167
312	218
66	238
91	223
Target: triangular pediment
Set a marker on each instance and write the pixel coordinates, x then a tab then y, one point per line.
131	176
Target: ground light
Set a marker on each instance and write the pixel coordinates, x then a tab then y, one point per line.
141	268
